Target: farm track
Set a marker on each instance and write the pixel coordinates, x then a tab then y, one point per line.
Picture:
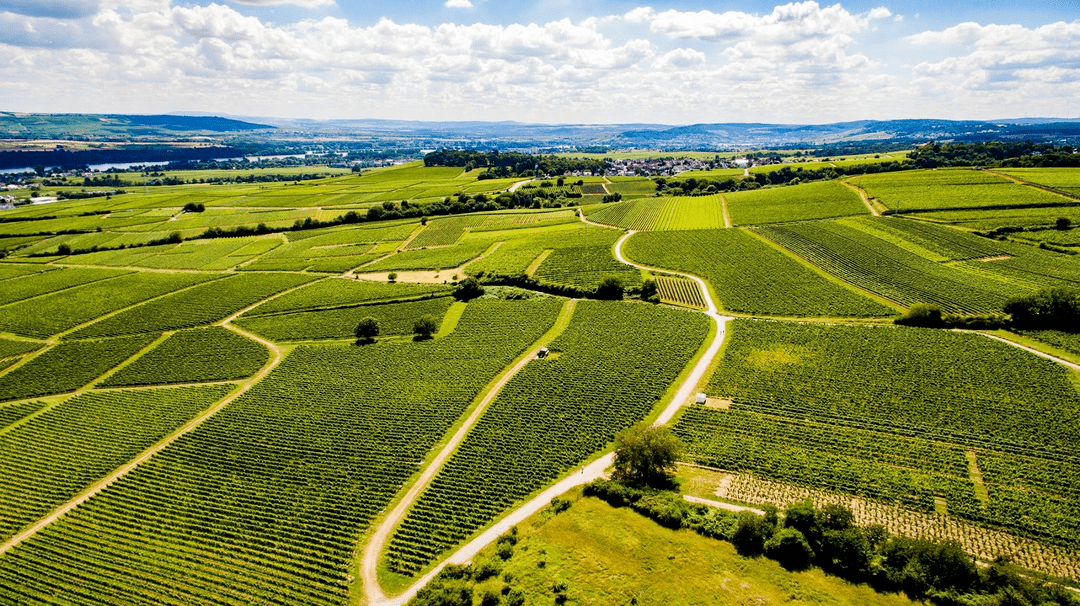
123	470
1032	350
727	218
592	471
1035	185
863	196
370	560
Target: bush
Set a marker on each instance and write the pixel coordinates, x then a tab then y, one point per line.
1063	223
367	330
489	598
468	289
790	549
515	597
486	570
560	504
424	327
649	291
391	277
1052	309
646	455
610	288
63	249
751	533
921	314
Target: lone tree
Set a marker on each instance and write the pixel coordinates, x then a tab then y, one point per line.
391	277
367	330
468	289
425	327
1063	223
610	288
646	455
649	291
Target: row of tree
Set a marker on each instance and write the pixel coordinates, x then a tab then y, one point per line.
995	154
512	164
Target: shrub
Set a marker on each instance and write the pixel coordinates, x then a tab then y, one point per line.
486	570
789	547
425	327
921	314
63	249
1063	223
1052	309
610	288
751	533
649	291
560	504
468	289
391	277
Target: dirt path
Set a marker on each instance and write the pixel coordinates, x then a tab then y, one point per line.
722	505
123	470
723	206
517	186
370	560
865	198
1045	188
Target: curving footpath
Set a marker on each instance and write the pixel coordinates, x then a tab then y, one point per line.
586	474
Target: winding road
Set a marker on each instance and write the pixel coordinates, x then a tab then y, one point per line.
592	471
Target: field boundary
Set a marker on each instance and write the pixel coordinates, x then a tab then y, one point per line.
723	206
864	196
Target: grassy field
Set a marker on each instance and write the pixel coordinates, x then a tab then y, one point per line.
600	552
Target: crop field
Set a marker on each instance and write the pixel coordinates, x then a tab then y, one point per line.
334	292
1062	179
816	200
63	310
194	356
198	306
952	189
256	446
237	510
660	214
893	414
394	319
67	367
748	275
679	291
895	273
50	458
615	362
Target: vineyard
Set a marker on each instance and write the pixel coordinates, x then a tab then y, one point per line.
236	512
894	413
886	269
194	356
817	200
446	232
393	318
198	306
748	275
705	212
68	366
50	458
614	363
913	191
331	293
679	291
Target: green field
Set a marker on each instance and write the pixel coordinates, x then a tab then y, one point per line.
749	276
614	363
816	200
257	446
959	189
888	413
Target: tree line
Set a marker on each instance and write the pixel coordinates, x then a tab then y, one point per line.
498	165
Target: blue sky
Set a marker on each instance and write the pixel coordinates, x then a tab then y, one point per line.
556	61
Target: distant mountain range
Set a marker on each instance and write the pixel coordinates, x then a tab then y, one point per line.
518	135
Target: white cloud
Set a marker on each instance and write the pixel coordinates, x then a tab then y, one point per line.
459	4
300	3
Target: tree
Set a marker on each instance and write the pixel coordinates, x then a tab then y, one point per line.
1063	223
790	549
1052	309
468	289
610	288
391	277
63	249
367	330
645	454
921	314
751	533
425	327
649	291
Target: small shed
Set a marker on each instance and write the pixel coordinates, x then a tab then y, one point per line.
542	353
701	398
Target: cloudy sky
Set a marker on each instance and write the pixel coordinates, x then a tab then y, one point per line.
556	61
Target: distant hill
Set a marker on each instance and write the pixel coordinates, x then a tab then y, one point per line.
56	126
